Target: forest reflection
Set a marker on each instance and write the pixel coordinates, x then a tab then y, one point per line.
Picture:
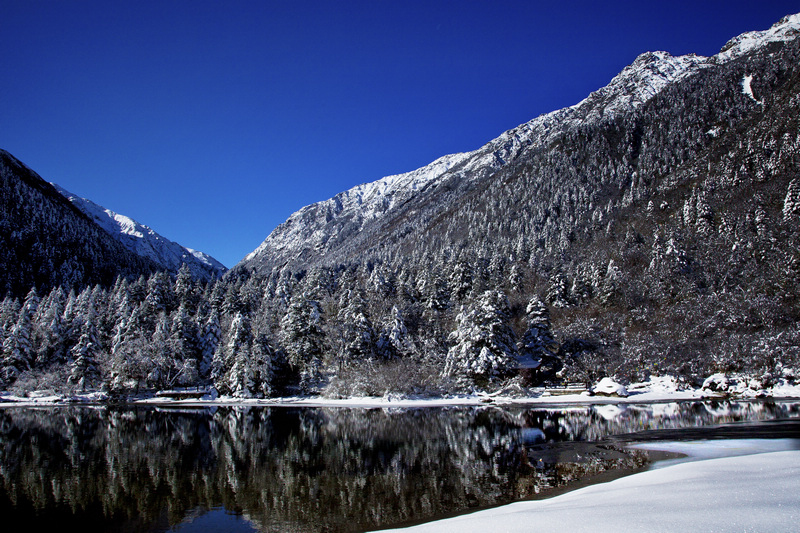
314	469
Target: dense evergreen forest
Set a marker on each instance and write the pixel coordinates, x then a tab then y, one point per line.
655	237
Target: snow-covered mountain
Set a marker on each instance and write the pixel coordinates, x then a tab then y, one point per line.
146	242
45	241
349	219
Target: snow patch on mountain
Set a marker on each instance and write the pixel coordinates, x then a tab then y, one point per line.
748	89
146	242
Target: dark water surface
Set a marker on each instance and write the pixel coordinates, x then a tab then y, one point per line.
131	469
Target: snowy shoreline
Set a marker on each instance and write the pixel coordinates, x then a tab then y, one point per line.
477	400
657	390
748	485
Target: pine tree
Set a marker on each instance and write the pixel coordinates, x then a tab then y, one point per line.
183	335
164	370
17	349
484	345
538	344
208	343
160	292
558	290
49	330
303	339
184	285
393	340
84	369
610	284
358	333
791	203
229	368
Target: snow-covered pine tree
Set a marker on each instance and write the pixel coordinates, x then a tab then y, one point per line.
303	339
229	368
393	340
9	314
84	369
251	373
208	343
17	349
791	203
49	330
558	290
610	284
184	285
357	331
538	343
484	345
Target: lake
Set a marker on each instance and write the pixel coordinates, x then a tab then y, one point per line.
131	469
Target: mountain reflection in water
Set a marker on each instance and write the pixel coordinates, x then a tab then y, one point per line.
314	469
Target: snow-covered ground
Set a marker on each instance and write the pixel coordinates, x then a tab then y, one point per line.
607	391
748	485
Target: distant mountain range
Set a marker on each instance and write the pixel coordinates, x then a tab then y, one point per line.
368	215
145	242
49	238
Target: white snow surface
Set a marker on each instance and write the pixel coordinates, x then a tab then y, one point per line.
313	226
146	242
755	492
610	387
748	89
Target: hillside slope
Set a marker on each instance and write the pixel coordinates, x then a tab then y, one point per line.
46	242
656	221
344	226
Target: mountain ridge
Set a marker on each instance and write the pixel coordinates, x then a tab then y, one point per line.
636	84
146	242
45	241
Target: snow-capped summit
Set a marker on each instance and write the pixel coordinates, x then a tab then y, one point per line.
146	242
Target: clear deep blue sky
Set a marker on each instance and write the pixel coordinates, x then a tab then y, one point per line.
213	121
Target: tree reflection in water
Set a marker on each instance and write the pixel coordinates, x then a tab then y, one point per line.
313	469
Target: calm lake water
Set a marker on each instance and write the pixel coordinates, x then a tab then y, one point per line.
122	468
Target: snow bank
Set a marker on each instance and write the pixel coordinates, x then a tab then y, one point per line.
744	493
609	387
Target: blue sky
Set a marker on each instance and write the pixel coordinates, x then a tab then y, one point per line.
213	121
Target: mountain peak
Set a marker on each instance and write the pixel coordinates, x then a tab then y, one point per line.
637	83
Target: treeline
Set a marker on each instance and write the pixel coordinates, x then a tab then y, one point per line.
163	332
